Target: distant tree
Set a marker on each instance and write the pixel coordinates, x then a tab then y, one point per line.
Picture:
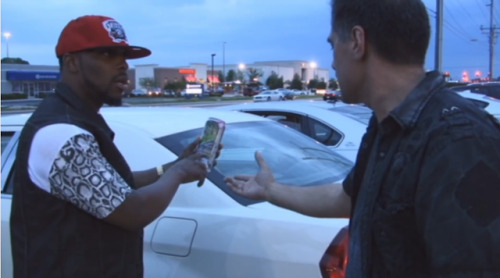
333	84
274	81
313	84
147	82
321	84
221	76
8	60
231	75
254	74
296	82
240	76
176	86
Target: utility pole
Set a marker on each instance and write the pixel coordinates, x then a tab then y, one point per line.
491	32
439	36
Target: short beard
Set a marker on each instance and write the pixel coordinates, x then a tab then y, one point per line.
95	90
112	101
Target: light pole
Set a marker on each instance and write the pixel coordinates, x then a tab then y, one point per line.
223	61
212	80
7	35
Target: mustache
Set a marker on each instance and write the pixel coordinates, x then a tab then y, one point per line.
121	78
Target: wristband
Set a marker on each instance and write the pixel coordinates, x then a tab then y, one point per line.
159	170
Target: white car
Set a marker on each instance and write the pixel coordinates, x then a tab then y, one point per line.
490	104
268	95
210	231
358	112
491	89
340	132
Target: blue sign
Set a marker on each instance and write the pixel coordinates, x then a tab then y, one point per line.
33	75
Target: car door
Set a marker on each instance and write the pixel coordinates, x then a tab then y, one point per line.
10	136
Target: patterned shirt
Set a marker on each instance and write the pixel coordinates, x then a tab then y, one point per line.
71	167
425	190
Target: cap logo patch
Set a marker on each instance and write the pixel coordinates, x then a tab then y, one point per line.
115	31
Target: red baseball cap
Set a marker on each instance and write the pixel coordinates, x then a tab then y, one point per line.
95	31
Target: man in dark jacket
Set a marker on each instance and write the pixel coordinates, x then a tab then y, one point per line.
423	194
78	210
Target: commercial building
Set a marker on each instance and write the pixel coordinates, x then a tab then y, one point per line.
29	79
34	80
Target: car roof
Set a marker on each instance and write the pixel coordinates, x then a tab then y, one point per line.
488	84
158	121
475	85
300	107
490	104
268	92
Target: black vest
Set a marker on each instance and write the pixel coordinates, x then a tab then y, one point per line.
53	238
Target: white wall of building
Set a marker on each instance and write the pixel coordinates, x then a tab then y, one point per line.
201	70
144	71
286	69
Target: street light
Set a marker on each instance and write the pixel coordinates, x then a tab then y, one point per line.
223	61
212	81
7	35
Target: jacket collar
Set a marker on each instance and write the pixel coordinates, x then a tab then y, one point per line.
407	112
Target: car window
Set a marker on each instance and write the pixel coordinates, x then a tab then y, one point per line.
313	128
295	159
490	89
6	136
9	146
8	188
325	134
289	119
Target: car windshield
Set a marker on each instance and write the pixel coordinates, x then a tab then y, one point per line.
294	158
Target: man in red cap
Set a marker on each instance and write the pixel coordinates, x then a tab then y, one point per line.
77	209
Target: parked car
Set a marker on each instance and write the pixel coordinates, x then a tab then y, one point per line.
268	96
251	91
169	93
358	112
303	92
139	92
331	95
156	92
339	132
490	104
289	94
210	231
215	92
491	89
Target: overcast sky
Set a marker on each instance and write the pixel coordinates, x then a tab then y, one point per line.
180	32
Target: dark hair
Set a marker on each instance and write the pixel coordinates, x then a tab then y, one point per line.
399	30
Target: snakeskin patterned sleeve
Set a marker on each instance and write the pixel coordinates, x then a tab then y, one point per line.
81	175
